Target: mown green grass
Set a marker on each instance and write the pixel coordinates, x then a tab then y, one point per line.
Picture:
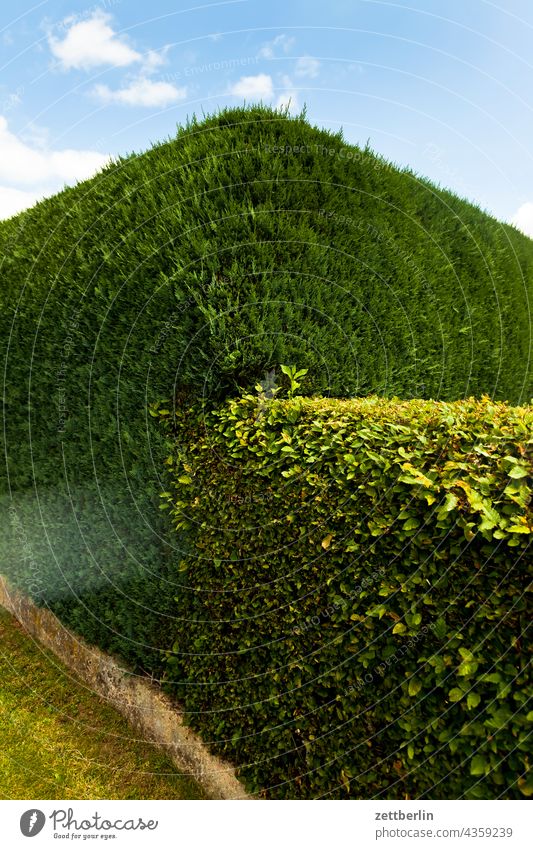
60	741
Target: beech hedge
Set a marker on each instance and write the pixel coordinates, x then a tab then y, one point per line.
353	616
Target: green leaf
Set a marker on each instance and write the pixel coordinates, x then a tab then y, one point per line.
467	668
472	700
440	629
525	785
455	694
450	502
465	653
519	529
478	765
518	472
415	685
414	476
492	678
411	524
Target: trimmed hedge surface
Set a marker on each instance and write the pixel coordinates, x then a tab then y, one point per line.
353	616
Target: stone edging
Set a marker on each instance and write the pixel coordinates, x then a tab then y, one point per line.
149	710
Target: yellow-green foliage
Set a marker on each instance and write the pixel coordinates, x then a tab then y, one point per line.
353	611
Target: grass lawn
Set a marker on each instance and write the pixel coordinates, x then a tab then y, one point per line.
60	741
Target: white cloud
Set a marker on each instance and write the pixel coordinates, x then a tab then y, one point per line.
34	135
289	95
261	87
523	219
22	164
307	66
288	98
257	87
92	42
154	59
281	43
28	173
141	92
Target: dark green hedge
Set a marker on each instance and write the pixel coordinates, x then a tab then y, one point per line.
353	619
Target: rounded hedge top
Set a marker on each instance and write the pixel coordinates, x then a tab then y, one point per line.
251	239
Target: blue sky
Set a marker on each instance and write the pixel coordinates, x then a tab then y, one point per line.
443	86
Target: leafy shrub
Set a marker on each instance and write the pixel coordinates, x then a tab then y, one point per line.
251	238
353	618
